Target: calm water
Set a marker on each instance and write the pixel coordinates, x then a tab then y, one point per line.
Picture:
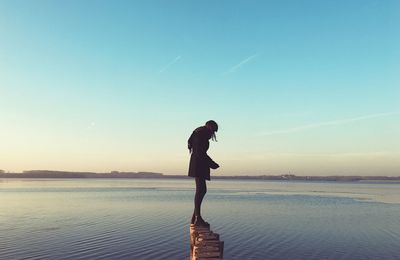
148	219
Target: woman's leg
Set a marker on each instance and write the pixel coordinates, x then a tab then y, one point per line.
201	190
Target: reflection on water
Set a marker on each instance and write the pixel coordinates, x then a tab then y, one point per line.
148	219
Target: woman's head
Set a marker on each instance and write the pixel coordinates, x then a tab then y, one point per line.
213	126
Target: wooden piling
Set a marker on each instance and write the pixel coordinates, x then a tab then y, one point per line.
205	244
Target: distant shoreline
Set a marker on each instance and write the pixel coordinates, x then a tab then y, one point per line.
153	175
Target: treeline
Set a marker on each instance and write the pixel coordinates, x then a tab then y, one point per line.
290	177
117	174
66	174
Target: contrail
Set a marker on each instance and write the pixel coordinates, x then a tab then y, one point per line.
170	63
329	123
240	64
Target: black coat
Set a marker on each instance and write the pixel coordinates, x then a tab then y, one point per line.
200	162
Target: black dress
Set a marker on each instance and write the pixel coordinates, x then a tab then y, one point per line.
200	162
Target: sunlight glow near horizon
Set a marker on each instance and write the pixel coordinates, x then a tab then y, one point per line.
306	87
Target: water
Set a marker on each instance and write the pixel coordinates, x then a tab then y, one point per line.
148	219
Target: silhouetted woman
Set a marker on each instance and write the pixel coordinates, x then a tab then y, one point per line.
200	164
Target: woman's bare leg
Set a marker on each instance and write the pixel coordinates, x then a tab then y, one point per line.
201	190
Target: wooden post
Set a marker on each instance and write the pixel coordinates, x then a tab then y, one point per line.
205	244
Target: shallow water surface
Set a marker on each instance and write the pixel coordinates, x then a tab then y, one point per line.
148	219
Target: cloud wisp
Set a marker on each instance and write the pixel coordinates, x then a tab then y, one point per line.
328	123
172	62
240	64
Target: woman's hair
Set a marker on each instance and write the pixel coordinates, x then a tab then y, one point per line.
213	137
214	126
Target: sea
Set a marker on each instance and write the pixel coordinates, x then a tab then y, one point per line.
149	219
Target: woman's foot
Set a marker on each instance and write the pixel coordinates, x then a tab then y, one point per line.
199	222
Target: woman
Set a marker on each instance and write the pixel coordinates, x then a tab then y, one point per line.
200	164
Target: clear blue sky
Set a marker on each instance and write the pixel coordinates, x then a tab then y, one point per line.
306	87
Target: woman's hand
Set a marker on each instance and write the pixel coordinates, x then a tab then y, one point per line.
214	165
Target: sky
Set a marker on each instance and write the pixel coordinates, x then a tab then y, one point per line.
304	87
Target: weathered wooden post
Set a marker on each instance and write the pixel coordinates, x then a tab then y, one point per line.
205	244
